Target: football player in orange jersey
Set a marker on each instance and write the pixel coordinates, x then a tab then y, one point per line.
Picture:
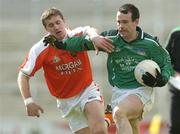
68	77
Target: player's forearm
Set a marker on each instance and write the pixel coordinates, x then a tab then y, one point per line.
79	43
23	83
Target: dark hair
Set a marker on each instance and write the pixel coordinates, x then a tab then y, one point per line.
126	8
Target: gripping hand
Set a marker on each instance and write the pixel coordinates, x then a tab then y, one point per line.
51	39
152	81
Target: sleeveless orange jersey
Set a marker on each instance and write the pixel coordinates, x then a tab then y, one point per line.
66	74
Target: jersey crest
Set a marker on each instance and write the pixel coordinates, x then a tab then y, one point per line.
56	59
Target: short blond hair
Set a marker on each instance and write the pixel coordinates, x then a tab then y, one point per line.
49	13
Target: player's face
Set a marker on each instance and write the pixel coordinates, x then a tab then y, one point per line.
125	25
56	26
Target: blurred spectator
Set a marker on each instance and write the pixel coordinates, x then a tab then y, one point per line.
173	47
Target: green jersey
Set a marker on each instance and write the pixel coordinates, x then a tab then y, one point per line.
122	62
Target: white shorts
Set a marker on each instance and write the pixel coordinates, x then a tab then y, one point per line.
73	108
145	94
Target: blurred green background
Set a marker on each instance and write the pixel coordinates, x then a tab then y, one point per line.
20	28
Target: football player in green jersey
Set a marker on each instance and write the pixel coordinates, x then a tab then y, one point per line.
130	99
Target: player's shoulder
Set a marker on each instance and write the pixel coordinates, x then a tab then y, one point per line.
111	32
40	45
151	39
78	31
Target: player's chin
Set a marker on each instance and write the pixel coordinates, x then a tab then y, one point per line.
59	36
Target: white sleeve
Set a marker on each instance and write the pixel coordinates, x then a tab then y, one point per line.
31	60
79	30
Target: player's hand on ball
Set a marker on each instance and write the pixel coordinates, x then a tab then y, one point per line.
34	110
152	81
160	81
51	39
148	79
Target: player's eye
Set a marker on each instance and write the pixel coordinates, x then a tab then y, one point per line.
50	25
58	22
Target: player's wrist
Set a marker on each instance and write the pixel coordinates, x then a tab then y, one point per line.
161	83
28	101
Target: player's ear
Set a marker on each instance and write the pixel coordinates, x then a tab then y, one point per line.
136	22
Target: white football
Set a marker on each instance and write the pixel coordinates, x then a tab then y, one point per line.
145	66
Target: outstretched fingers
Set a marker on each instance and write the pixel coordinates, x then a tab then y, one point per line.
103	43
108	45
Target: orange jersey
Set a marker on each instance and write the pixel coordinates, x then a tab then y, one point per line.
66	75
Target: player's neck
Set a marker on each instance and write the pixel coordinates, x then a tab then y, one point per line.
132	37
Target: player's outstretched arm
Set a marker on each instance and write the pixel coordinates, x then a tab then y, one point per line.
78	43
75	44
81	43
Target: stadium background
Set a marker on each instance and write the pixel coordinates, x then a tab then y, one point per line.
20	28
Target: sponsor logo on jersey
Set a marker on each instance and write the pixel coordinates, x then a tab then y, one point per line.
127	63
70	67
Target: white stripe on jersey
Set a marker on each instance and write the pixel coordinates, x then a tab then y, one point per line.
33	54
152	41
